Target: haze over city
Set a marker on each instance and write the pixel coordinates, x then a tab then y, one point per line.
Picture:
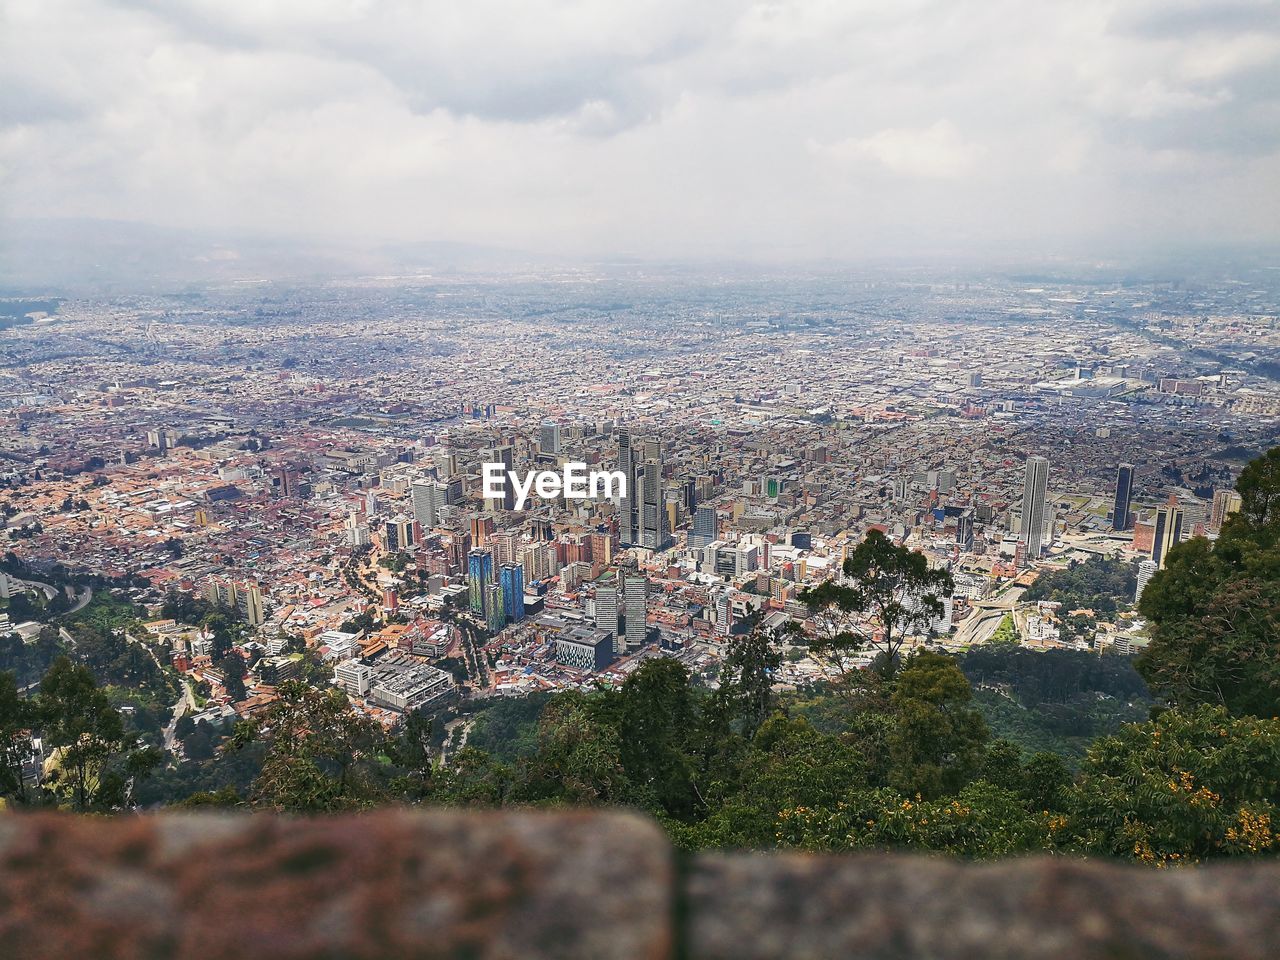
775	132
594	481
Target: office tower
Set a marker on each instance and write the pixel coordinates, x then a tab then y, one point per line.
356	531
286	480
494	617
400	533
722	611
481	527
633	595
428	497
606	607
628	523
1167	533
689	496
654	530
1034	492
549	438
511	579
964	529
975	379
1225	503
1124	496
479	576
1146	570
704	527
505	456
642	511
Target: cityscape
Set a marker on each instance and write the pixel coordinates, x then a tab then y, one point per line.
327	489
744	480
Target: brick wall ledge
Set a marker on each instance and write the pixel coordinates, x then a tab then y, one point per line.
442	883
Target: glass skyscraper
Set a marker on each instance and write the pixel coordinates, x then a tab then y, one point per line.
1124	496
479	576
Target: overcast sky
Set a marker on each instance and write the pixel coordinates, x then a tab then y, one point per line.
656	128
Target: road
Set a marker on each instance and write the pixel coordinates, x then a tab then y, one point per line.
986	618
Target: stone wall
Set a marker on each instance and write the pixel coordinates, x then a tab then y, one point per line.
401	883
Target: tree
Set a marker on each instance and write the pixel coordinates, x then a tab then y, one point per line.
747	677
1186	786
888	593
78	720
1259	489
1215	608
655	714
414	752
17	717
320	754
937	741
579	757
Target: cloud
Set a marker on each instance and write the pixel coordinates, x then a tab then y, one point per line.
655	128
933	152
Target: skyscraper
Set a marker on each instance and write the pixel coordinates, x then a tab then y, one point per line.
643	509
549	438
633	594
428	497
1034	492
1146	570
511	579
1124	495
606	607
479	576
629	524
494	618
1225	503
704	527
505	456
1167	533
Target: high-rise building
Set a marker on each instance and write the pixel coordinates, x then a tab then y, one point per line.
503	543
1124	496
479	576
704	527
245	598
1146	570
1167	534
643	511
1225	503
428	497
481	527
504	455
549	438
539	561
400	533
494	617
629	522
356	531
722	611
633	595
606	607
511	579
1034	495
